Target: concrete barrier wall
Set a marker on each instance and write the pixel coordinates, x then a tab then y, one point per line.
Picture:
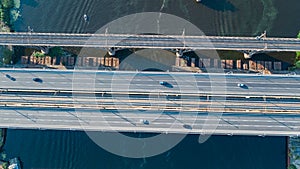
194	62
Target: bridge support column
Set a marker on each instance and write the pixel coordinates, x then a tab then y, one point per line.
248	54
45	50
179	53
111	51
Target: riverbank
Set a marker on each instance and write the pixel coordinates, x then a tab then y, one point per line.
2	138
9	13
293	153
3	163
13	163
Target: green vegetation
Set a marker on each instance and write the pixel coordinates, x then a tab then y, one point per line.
297	64
7	56
38	54
297	60
17	3
292	166
9	13
298	53
55	52
3	155
5	165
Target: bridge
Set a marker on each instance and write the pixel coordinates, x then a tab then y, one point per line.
101	101
176	42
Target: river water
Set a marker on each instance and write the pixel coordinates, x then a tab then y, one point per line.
74	150
213	17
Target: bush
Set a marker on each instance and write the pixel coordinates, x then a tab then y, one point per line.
297	64
17	3
38	54
298	53
292	166
14	15
5	165
7	3
6	16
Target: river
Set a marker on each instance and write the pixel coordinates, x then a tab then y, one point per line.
213	17
74	150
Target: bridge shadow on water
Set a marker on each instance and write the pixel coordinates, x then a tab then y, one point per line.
219	5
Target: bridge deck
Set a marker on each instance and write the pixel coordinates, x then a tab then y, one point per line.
150	41
65	100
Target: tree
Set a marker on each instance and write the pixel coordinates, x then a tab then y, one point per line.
292	166
55	52
8	3
7	56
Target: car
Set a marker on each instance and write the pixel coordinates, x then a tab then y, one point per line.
162	83
242	85
166	84
143	121
38	80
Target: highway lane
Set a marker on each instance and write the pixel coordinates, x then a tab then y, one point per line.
148	82
229	124
162	103
269	106
150	41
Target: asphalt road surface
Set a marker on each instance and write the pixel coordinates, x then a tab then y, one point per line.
137	102
150	41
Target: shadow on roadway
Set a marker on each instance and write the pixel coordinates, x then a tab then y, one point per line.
10	77
168	85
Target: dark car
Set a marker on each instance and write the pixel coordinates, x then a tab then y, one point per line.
144	121
162	83
242	85
166	84
38	80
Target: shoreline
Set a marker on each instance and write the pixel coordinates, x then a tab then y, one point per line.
3	138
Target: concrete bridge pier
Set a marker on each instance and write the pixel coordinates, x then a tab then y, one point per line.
180	52
44	49
112	51
249	53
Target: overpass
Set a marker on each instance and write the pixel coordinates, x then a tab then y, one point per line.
87	100
177	42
